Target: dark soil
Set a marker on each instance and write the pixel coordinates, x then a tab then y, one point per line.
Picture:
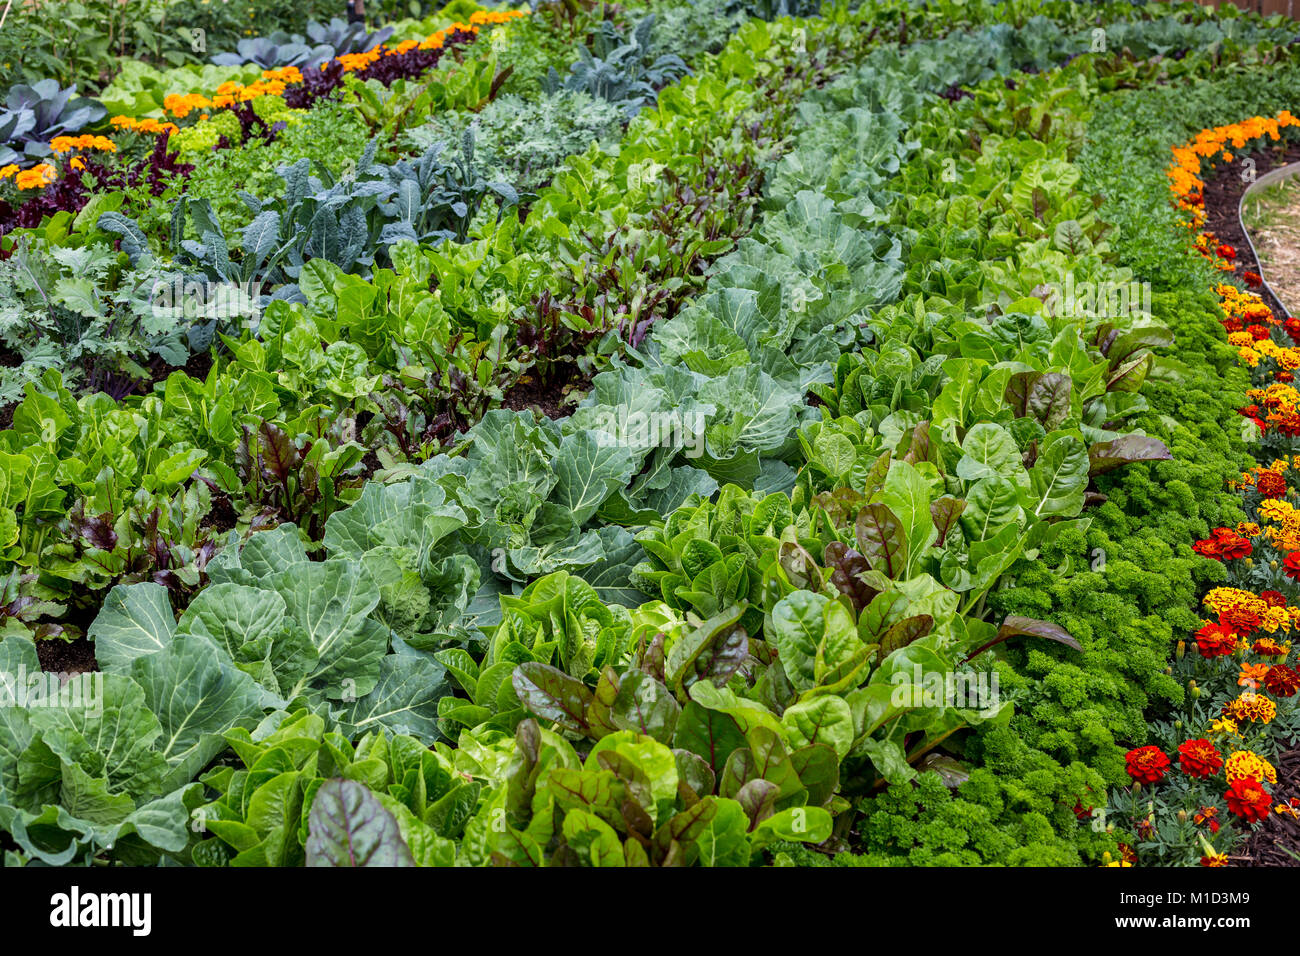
8	359
548	398
222	516
72	657
1223	191
1271	840
198	366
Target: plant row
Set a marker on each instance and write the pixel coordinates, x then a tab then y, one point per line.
804	614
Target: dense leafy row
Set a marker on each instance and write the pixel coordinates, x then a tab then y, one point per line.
819	573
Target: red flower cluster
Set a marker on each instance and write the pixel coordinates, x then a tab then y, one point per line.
1226	251
1207	816
1252	279
1241	619
1268	647
1270	484
1224	545
1146	764
1273	598
1248	799
1291	566
1199	758
1281	681
1215	640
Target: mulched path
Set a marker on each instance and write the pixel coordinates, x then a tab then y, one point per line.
1223	191
1276	841
1274	224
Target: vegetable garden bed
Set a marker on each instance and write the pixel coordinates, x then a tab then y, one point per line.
683	433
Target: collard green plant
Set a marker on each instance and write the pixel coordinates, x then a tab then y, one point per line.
350	221
620	70
34	115
322	43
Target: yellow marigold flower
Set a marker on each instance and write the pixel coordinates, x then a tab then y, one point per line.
1246	764
1252	707
1226	726
1276	509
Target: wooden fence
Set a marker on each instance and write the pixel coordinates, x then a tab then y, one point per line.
1265	7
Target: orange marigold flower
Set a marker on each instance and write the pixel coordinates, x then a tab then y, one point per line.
1252	675
38	177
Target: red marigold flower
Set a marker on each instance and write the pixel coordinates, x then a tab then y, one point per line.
1233	324
1252	279
1281	681
1240	619
1225	545
1291	566
1248	799
1283	376
1233	545
1199	758
1257	332
1270	485
1226	251
1215	640
1273	598
1208	548
1269	647
1146	764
